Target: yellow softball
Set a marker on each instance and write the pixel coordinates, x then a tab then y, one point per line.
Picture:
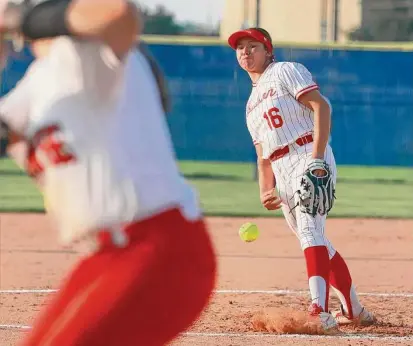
249	232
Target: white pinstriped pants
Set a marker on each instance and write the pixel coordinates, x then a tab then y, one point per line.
288	172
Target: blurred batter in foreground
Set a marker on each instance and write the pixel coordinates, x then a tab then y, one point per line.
94	137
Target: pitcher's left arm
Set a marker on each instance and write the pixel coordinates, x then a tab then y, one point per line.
322	120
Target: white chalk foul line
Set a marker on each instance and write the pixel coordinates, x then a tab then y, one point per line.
264	292
302	336
296	292
14	326
44	291
263	335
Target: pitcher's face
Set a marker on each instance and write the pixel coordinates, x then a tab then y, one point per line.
251	55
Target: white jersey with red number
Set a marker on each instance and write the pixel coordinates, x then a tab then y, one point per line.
275	118
100	146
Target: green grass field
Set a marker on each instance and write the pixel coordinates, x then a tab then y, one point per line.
228	189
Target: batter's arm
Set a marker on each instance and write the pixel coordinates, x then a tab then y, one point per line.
322	120
117	23
266	181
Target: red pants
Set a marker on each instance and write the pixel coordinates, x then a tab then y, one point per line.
145	294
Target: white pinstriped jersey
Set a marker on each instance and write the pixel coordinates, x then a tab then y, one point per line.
275	118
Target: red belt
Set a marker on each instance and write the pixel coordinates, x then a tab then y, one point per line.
279	153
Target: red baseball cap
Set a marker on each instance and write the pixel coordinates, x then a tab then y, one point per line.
255	34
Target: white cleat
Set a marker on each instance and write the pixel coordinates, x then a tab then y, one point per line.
327	322
365	318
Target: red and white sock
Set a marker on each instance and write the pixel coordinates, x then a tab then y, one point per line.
341	282
318	271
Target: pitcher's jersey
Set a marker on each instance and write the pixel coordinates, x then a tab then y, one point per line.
274	116
99	144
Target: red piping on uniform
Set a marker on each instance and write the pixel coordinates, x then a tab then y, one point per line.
306	90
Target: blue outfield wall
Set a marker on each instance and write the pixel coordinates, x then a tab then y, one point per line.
371	93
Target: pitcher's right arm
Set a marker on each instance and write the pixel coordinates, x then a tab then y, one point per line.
266	181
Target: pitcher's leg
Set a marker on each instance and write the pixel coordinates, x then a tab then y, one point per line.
308	231
288	172
317	248
341	282
340	278
317	252
286	195
312	233
352	311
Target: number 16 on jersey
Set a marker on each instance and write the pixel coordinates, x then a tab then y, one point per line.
274	120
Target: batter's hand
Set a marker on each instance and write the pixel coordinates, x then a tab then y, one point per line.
270	200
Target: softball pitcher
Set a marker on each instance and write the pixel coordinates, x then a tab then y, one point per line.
95	138
289	122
